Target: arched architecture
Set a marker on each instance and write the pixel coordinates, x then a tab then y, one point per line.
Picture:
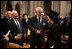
63	7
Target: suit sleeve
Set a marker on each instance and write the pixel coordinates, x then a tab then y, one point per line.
46	27
31	26
10	28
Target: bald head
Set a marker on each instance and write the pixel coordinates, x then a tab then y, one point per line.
39	11
9	11
14	14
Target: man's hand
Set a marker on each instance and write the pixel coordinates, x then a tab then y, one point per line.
46	38
25	35
38	31
18	37
6	37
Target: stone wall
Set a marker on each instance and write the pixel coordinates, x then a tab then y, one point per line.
63	7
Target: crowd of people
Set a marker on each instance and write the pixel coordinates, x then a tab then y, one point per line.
46	31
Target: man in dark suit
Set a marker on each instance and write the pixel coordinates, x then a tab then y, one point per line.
16	27
38	26
25	22
4	29
3	23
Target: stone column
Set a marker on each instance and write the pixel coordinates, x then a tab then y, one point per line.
14	4
68	6
31	8
63	8
21	7
55	6
3	6
41	4
33	5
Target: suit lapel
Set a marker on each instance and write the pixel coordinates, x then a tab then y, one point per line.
36	20
13	24
20	23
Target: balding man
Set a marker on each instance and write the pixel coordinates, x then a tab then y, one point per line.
38	27
9	13
16	27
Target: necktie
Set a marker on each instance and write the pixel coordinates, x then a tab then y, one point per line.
19	27
39	23
39	19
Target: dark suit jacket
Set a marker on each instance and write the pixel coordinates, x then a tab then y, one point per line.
33	25
25	25
14	30
3	30
3	25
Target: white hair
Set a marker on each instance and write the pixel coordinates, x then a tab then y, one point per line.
14	11
38	9
9	12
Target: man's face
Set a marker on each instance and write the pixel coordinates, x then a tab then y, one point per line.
9	14
39	13
5	14
14	15
25	17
